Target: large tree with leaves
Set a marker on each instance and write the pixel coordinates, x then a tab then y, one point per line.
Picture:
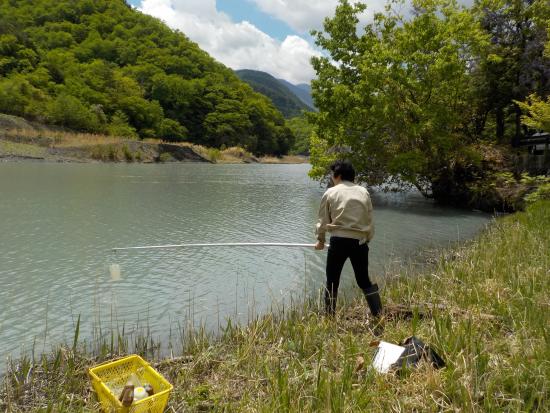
397	98
514	65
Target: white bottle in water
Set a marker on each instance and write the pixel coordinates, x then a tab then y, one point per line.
114	270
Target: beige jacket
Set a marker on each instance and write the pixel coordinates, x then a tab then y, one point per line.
345	211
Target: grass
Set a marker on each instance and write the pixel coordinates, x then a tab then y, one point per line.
483	306
8	148
59	139
284	159
233	154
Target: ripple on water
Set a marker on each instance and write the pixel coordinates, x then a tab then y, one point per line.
61	221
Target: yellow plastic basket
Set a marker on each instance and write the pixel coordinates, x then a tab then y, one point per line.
108	380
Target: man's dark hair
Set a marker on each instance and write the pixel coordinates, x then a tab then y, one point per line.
343	169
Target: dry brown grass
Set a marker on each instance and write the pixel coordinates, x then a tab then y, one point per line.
59	139
287	159
236	154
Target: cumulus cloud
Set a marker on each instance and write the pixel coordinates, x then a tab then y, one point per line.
239	45
301	15
305	15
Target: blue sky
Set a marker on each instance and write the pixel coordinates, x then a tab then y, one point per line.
240	10
244	10
268	35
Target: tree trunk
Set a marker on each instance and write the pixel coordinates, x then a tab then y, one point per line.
500	124
517	135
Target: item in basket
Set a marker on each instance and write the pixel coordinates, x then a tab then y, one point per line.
149	389
139	394
134	379
127	395
109	379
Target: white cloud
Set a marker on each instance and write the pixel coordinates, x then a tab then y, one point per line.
238	45
305	15
301	15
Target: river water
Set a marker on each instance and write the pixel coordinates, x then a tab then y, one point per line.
59	223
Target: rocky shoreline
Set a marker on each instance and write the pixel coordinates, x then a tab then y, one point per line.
133	152
24	141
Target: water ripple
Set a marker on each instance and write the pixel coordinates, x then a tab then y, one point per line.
61	221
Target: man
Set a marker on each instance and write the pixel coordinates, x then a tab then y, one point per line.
346	212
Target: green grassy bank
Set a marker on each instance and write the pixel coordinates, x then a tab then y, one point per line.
484	306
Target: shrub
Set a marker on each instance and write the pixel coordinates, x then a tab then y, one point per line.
19	97
237	152
171	130
541	193
105	153
213	154
119	126
128	155
112	151
66	110
165	157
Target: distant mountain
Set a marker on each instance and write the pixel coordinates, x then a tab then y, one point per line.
302	90
284	99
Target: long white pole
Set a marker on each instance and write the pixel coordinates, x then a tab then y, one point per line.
221	244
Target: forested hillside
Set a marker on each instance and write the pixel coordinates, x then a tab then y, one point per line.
100	66
282	97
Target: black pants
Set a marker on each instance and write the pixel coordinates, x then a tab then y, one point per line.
339	251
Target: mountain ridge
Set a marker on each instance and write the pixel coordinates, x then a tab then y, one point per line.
301	90
282	96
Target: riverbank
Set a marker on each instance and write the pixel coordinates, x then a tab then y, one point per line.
483	306
21	140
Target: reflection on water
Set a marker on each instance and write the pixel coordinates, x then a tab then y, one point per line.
60	221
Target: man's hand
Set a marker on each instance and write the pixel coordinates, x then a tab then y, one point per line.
320	245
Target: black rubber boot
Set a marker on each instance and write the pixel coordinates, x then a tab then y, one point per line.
373	299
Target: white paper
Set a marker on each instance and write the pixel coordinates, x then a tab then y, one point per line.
386	355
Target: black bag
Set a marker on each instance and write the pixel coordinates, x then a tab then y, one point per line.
416	350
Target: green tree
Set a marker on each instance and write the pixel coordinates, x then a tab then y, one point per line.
61	64
514	65
302	131
66	110
269	132
14	56
19	97
174	93
144	115
171	130
537	113
397	100
227	123
119	126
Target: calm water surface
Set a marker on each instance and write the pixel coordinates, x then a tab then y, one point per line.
59	221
